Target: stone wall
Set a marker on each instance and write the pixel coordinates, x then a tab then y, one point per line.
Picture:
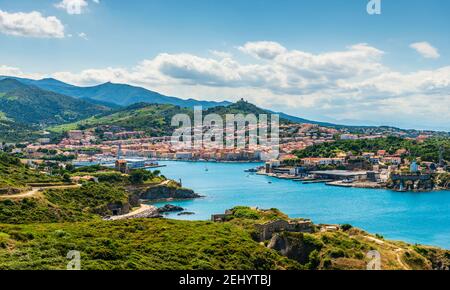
265	231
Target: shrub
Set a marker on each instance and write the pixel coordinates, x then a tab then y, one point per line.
245	213
336	253
346	227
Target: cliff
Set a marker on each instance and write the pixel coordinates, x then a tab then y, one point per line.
336	247
295	246
163	192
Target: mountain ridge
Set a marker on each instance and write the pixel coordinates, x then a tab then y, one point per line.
28	104
116	96
119	94
102	94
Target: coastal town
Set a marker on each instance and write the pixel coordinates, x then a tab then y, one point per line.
117	148
224	144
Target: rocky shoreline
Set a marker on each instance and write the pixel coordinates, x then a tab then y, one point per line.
163	193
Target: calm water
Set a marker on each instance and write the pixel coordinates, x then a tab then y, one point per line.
413	217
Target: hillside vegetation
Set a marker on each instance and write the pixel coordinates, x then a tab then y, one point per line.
32	105
91	201
110	93
156	119
136	244
427	151
153	119
14	174
159	244
344	249
11	131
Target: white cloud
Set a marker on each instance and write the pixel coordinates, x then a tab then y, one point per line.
425	49
83	35
221	54
6	70
9	71
351	83
31	24
263	49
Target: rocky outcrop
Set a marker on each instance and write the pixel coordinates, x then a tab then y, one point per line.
294	246
134	200
265	231
165	192
170	208
113	209
186	213
439	258
411	182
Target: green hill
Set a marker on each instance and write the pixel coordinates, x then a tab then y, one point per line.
89	202
30	105
118	94
15	175
153	119
11	131
137	244
156	119
160	244
427	150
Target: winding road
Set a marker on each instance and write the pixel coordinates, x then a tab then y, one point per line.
35	190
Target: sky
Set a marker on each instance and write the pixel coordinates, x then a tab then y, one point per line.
325	60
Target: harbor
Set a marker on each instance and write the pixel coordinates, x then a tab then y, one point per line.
395	215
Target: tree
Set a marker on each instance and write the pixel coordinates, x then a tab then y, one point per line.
139	176
66	178
346	227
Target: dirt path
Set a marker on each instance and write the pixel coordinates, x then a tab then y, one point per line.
35	190
165	182
398	251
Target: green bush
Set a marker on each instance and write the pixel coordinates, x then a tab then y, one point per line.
346	227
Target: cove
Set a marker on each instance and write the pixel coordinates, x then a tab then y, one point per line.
422	218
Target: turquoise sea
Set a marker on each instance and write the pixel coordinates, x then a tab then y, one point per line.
422	218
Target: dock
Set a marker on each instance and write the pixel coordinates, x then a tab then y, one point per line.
317	181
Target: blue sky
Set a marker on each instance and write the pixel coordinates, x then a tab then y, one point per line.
320	59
